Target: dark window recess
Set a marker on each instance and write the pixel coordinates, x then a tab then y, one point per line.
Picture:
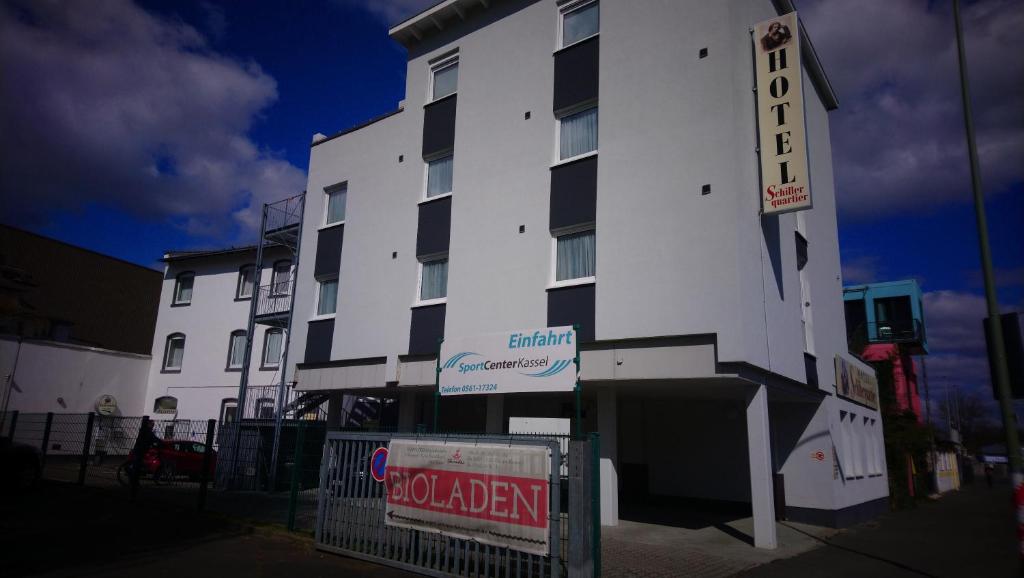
893	310
434	229
856	319
573	306
811	369
801	252
319	336
439	126
426	329
574	193
576	74
328	251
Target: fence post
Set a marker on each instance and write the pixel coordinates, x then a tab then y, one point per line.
293	499
86	443
139	450
595	500
46	435
204	477
14	423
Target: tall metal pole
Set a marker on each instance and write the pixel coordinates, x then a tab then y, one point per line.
933	480
997	351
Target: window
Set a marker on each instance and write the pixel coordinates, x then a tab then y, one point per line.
577	134
806	316
246	282
264	408
183	288
336	198
439	176
444	78
272	341
174	352
236	349
327	297
580	20
434	279
575	256
280	284
165	404
228	410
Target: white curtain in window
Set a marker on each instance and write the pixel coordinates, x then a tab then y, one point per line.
578	133
185	289
580	24
336	205
237	349
327	303
282	272
439	176
175	352
434	281
575	256
247	282
446	80
272	349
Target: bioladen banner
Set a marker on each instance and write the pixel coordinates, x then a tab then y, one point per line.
514	361
497	494
785	181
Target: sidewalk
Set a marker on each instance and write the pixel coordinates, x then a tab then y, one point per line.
965	533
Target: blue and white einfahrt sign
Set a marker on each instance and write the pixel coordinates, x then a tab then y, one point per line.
510	362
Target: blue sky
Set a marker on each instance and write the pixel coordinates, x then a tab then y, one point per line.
136	127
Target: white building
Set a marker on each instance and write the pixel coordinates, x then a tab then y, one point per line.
199	342
593	163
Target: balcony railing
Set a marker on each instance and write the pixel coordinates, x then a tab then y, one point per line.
274	299
908	331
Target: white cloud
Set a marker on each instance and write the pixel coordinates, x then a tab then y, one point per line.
107	103
391	11
860	270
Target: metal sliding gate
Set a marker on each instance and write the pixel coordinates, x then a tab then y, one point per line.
351	513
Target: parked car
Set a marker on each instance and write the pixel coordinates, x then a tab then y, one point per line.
168	461
20	464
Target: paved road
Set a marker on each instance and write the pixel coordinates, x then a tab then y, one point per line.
965	534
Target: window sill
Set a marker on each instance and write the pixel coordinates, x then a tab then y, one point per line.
426	200
429	302
580	41
249	298
182	304
574	159
165	370
233	369
437	100
269	367
330	226
322	317
573	282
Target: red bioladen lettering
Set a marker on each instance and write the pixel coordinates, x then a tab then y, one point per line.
507	499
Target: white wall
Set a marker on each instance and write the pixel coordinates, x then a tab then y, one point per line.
48	372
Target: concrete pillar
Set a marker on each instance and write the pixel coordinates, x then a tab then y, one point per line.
334	402
406	411
607	426
495	414
759	448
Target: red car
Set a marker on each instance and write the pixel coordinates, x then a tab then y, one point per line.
169	460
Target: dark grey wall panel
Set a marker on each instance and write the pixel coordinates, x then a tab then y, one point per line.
426	329
434	229
573	306
319	336
576	74
574	193
328	251
439	126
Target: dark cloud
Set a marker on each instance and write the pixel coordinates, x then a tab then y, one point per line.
107	103
898	137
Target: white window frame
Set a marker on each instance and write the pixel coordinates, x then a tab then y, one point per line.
553	273
419	279
273	279
262	403
226	403
567	8
436	66
241	282
327	202
167	353
231	345
557	160
426	177
266	341
177	288
316	298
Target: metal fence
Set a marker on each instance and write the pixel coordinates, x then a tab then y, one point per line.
351	509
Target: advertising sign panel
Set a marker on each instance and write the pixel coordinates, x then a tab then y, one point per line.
497	494
513	361
785	181
855	384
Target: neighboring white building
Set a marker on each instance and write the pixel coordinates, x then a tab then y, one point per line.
584	162
199	341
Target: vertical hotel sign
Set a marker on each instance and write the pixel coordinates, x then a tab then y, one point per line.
785	181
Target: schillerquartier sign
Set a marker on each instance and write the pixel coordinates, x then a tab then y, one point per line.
855	384
785	180
514	361
495	494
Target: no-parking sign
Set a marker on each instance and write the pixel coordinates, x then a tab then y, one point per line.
379	463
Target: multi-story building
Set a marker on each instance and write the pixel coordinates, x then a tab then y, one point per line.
595	163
